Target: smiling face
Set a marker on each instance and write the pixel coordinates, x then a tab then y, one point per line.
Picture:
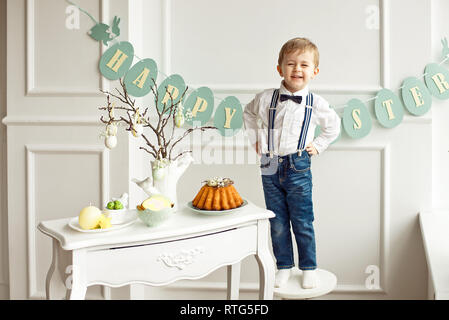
297	69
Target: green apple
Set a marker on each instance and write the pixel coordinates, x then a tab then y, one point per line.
118	205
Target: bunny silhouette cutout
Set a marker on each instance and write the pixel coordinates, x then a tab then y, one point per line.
102	32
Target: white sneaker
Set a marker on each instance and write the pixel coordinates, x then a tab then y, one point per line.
309	279
281	277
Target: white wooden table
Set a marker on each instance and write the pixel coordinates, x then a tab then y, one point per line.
188	246
435	233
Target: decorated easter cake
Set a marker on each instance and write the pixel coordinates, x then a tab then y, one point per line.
217	194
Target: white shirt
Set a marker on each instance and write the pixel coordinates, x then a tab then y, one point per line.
288	122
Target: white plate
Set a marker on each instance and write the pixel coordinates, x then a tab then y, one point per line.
216	212
74	224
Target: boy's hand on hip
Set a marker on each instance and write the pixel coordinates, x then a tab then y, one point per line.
311	150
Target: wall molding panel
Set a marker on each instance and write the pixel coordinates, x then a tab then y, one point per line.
384	217
51	121
232	88
32	88
31	152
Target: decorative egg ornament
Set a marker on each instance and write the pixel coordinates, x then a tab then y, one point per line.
179	119
111	129
110	142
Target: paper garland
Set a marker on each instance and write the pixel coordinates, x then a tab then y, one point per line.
436	80
356	119
171	88
388	108
116	61
102	32
416	98
199	106
228	118
141	78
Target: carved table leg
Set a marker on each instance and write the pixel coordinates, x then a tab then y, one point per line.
79	286
265	261
233	281
54	283
78	291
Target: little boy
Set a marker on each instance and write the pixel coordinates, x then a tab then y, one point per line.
281	124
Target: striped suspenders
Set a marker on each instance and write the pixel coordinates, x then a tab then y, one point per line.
271	114
305	123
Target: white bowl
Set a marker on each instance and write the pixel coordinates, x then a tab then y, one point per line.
117	216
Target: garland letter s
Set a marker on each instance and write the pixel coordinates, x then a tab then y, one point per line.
356	117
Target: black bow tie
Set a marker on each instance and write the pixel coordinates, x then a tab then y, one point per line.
296	99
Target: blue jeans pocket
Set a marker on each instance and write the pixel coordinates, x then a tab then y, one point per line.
301	164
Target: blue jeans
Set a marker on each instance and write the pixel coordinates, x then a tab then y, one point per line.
287	186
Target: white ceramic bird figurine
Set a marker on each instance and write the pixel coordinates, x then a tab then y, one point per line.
147	186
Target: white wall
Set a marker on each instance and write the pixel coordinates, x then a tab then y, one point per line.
440	112
4	289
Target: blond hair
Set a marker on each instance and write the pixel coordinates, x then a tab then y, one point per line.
301	44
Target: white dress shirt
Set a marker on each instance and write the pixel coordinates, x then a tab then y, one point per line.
288	122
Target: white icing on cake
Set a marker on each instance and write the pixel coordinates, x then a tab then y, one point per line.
219	182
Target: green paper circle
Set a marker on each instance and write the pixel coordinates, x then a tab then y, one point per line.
200	116
176	81
409	101
220	116
381	111
107	71
353	129
433	69
135	72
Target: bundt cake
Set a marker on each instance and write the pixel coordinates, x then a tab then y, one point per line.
217	194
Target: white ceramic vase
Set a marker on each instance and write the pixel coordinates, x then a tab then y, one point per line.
164	179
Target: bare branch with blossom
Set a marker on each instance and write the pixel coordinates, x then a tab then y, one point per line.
163	147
